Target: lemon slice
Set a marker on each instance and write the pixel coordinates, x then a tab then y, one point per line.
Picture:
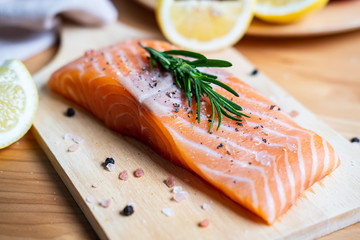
286	11
18	101
204	25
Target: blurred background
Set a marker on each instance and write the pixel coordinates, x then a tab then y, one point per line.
314	55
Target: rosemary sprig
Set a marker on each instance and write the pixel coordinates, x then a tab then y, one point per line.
198	83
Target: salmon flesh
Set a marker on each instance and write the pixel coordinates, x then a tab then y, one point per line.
264	162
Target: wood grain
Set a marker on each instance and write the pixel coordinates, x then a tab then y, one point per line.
284	63
34	203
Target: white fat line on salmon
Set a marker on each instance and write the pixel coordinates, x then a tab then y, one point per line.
290	175
314	166
336	161
122	115
326	159
218	138
135	53
64	85
254	196
68	87
280	186
113	119
114	68
125	60
158	90
196	145
97	68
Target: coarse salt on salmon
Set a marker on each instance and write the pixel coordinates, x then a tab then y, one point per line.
264	164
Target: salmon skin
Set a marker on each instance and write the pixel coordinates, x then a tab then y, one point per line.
264	162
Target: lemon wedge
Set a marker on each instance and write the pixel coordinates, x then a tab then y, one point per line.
286	11
204	25
18	101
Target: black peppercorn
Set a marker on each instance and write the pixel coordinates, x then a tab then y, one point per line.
109	160
70	112
355	140
128	210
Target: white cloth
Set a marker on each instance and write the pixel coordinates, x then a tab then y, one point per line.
28	27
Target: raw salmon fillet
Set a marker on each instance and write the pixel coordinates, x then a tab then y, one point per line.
264	162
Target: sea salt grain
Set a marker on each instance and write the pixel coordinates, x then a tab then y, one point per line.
110	167
205	206
180	196
78	139
95	185
73	148
177	189
168	212
90	199
105	203
264	158
68	136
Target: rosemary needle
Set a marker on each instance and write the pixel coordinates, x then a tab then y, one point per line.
195	82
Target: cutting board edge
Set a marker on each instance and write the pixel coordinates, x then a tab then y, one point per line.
332	225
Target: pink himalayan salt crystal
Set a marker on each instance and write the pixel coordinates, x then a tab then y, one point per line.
73	148
170	181
124	175
139	172
204	223
294	113
68	136
105	203
180	196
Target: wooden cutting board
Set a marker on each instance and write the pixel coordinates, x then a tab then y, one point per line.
329	205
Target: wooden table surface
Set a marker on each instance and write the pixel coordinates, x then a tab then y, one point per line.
323	73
